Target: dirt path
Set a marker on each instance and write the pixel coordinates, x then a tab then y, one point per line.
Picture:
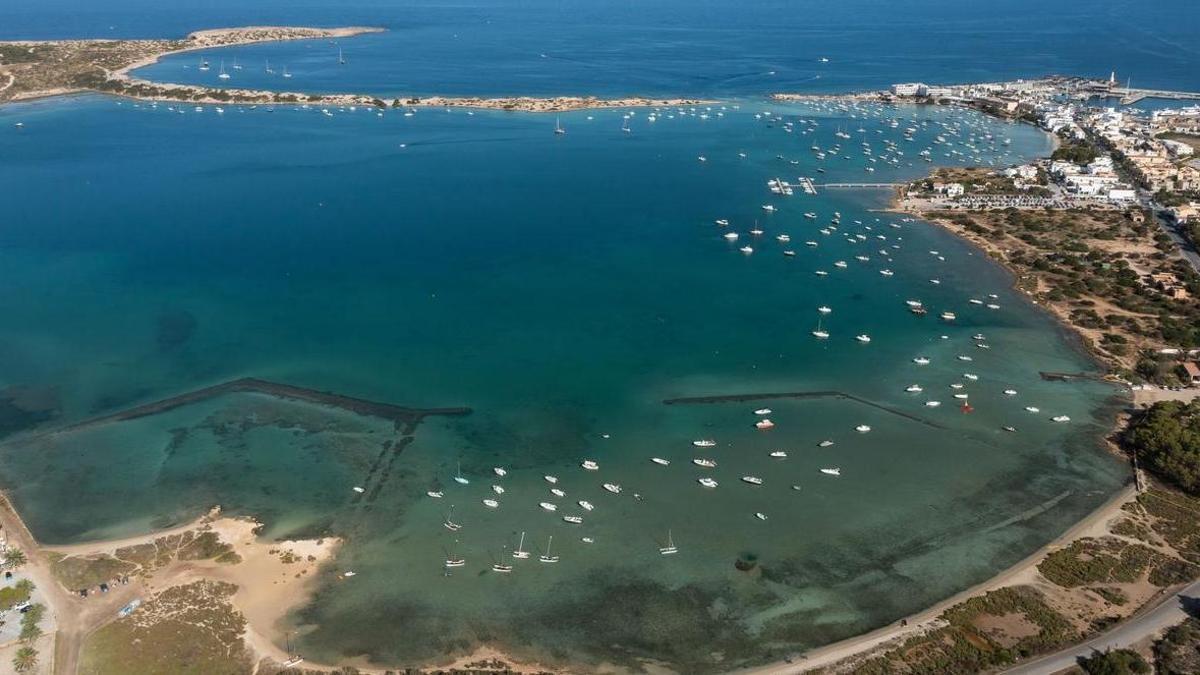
75	617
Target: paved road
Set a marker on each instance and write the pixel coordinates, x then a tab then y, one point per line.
1168	613
1185	247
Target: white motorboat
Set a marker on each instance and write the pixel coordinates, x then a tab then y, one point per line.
763	411
613	488
862	428
491	503
1061	418
764	423
436	494
753	480
1032	409
707	482
835	471
864	338
574	520
498	489
590	465
499	471
921	361
706	463
914	389
760	515
557	492
661	461
551	479
585	505
824	444
932	404
778	454
549	506
704	443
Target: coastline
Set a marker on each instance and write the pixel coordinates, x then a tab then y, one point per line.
106	67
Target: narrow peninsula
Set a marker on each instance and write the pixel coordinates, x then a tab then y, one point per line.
38	69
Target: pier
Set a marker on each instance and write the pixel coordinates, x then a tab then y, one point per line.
400	415
859	185
744	398
1130	96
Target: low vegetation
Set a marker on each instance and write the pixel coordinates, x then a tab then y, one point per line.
1178	652
1112	561
85	572
1115	662
184	630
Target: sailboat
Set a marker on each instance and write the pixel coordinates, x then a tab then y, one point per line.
521	554
459	477
558	128
819	333
224	75
450	524
670	548
452	560
625	126
341	57
203	63
286	73
267	67
236	65
546	557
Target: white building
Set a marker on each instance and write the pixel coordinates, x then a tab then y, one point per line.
908	89
1122	195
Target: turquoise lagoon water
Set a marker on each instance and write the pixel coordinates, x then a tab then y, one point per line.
562	287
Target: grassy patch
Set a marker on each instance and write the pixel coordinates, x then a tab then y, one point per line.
10	596
77	572
1109	560
185	630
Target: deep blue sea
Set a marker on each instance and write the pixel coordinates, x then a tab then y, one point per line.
562	286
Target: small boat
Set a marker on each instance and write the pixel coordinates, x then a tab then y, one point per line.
455	562
498	489
704	443
760	515
731	236
964	357
1007	428
521	554
558	127
932	404
546	557
970	376
661	461
835	471
670	548
783	238
978	336
587	540
707	482
914	389
824	310
824	444
449	523
574	520
862	428
613	488
491	503
753	480
458	478
706	463
1032	409
864	338
1061	418
778	454
1010	392
551	479
961	396
585	505
768	208
500	472
764	423
948	316
502	568
746	249
348	574
548	506
797	488
590	465
557	492
436	494
722	222
921	361
763	411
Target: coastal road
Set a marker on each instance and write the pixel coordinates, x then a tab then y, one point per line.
1185	247
1170	611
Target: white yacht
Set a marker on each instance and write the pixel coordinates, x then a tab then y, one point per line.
613	488
706	463
436	494
557	492
1061	418
704	443
862	428
546	557
458	478
825	443
574	520
585	505
502	568
764	423
914	389
660	461
778	454
921	361
520	553
1032	409
824	310
549	506
590	465
500	472
835	471
707	482
763	411
753	480
551	479
864	338
670	548
498	489
760	515
932	404
1010	392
